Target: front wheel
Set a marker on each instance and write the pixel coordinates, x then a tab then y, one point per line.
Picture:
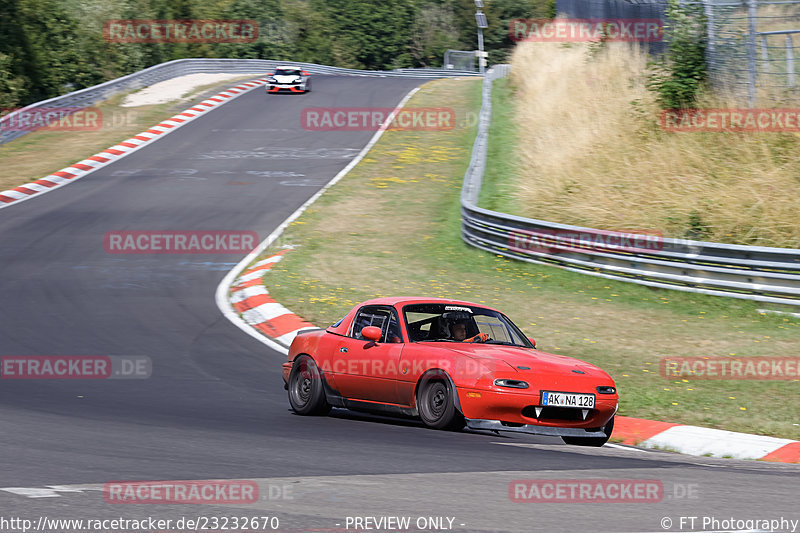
306	393
592	441
436	406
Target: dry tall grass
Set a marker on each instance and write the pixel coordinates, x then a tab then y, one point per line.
592	154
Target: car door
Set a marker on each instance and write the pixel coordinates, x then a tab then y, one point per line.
367	370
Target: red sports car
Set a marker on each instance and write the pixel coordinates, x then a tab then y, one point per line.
452	364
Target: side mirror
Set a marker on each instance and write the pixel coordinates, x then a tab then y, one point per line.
371	333
532	341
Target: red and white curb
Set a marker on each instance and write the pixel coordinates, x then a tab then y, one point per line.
249	297
695	440
106	157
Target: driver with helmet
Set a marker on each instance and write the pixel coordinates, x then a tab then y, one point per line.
458	331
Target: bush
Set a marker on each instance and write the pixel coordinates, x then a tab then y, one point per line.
679	76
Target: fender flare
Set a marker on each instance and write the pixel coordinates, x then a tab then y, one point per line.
441	374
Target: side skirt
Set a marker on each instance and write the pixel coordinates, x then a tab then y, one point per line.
337	400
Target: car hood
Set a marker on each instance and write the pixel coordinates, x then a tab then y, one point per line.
538	363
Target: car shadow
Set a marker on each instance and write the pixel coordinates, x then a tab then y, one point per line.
346	414
410	422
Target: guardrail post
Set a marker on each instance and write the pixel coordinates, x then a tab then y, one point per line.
789	61
752	12
711	49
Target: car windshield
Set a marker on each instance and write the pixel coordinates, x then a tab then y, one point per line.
287	72
439	322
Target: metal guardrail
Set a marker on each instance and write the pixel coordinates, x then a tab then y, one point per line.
750	272
181	67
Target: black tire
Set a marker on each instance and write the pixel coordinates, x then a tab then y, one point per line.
592	441
306	391
436	405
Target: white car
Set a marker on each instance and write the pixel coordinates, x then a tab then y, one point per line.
292	79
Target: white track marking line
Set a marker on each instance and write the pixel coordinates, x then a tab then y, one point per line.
622	447
224	286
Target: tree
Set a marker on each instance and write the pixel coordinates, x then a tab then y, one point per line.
49	49
372	34
681	74
12	87
499	14
309	31
432	35
273	36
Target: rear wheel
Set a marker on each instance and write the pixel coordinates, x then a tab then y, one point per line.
436	405
592	441
306	393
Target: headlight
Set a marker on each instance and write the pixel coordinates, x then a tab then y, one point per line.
271	80
511	383
606	390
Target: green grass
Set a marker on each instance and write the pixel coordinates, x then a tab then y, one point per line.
503	163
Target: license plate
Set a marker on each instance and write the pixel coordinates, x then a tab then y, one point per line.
568	399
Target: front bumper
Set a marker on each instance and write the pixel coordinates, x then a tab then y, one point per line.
509	411
496	425
299	88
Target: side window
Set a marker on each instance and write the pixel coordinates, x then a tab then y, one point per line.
393	333
494	327
381	317
420	325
